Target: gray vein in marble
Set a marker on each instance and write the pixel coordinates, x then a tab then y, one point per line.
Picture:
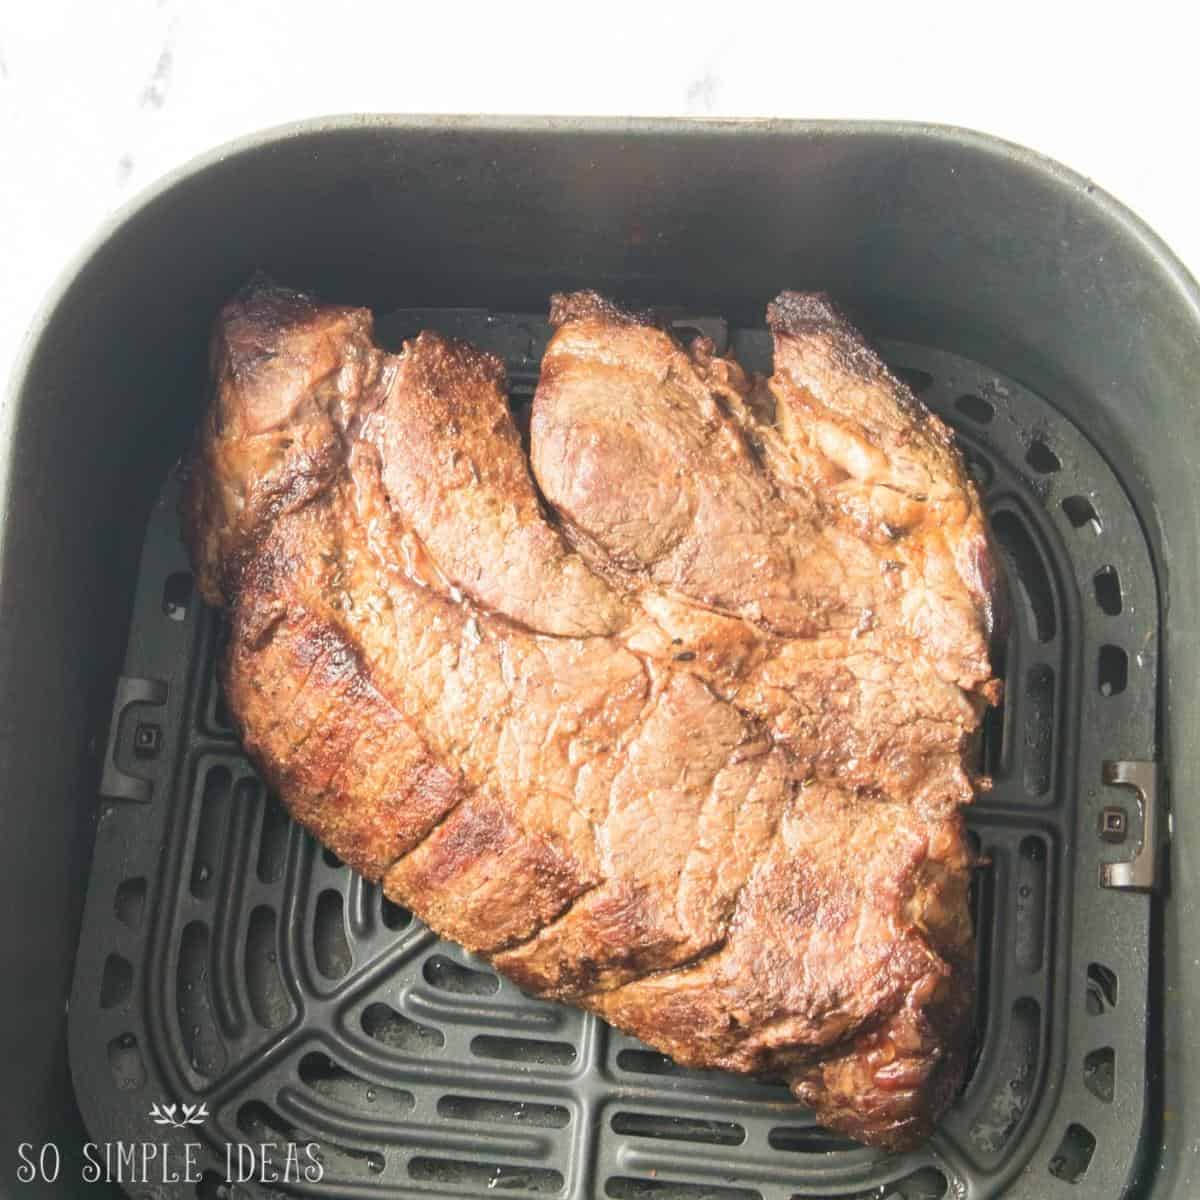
155	93
701	94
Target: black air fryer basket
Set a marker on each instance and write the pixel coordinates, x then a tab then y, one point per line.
226	965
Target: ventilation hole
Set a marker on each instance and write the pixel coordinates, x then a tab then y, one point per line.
926	1184
503	1112
331	860
1039	729
1031	904
210	835
991	736
811	1139
981	901
522	415
1041	458
201	1045
647	1062
117	981
1100	1073
273	841
213	1187
261	1124
255	1120
1113	672
268	998
1108	590
530	1051
1080	512
220	712
1017	1073
217	714
980	470
332	950
686	334
918	381
678	1129
534	1180
1027	564
1074	1154
392	915
125	1062
620	1187
522	385
245	795
1101	989
177	595
976	408
130	902
388	1027
449	976
345	1090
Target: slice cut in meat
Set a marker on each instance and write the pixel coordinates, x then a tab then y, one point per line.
452	461
674	720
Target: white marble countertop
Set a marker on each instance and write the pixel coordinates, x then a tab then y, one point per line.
98	100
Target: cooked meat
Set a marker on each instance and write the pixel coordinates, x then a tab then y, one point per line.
679	733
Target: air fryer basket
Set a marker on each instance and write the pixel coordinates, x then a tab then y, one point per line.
299	1005
224	957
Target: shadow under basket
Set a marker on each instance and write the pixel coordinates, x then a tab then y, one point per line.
228	959
187	968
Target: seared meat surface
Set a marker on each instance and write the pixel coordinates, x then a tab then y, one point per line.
672	720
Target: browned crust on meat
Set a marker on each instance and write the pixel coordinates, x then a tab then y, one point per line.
285	374
591	306
349	765
485	881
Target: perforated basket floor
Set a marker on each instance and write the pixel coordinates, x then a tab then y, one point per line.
226	959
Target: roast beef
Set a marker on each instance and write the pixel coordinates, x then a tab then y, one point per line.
672	719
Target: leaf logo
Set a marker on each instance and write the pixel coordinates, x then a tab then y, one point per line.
179	1116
